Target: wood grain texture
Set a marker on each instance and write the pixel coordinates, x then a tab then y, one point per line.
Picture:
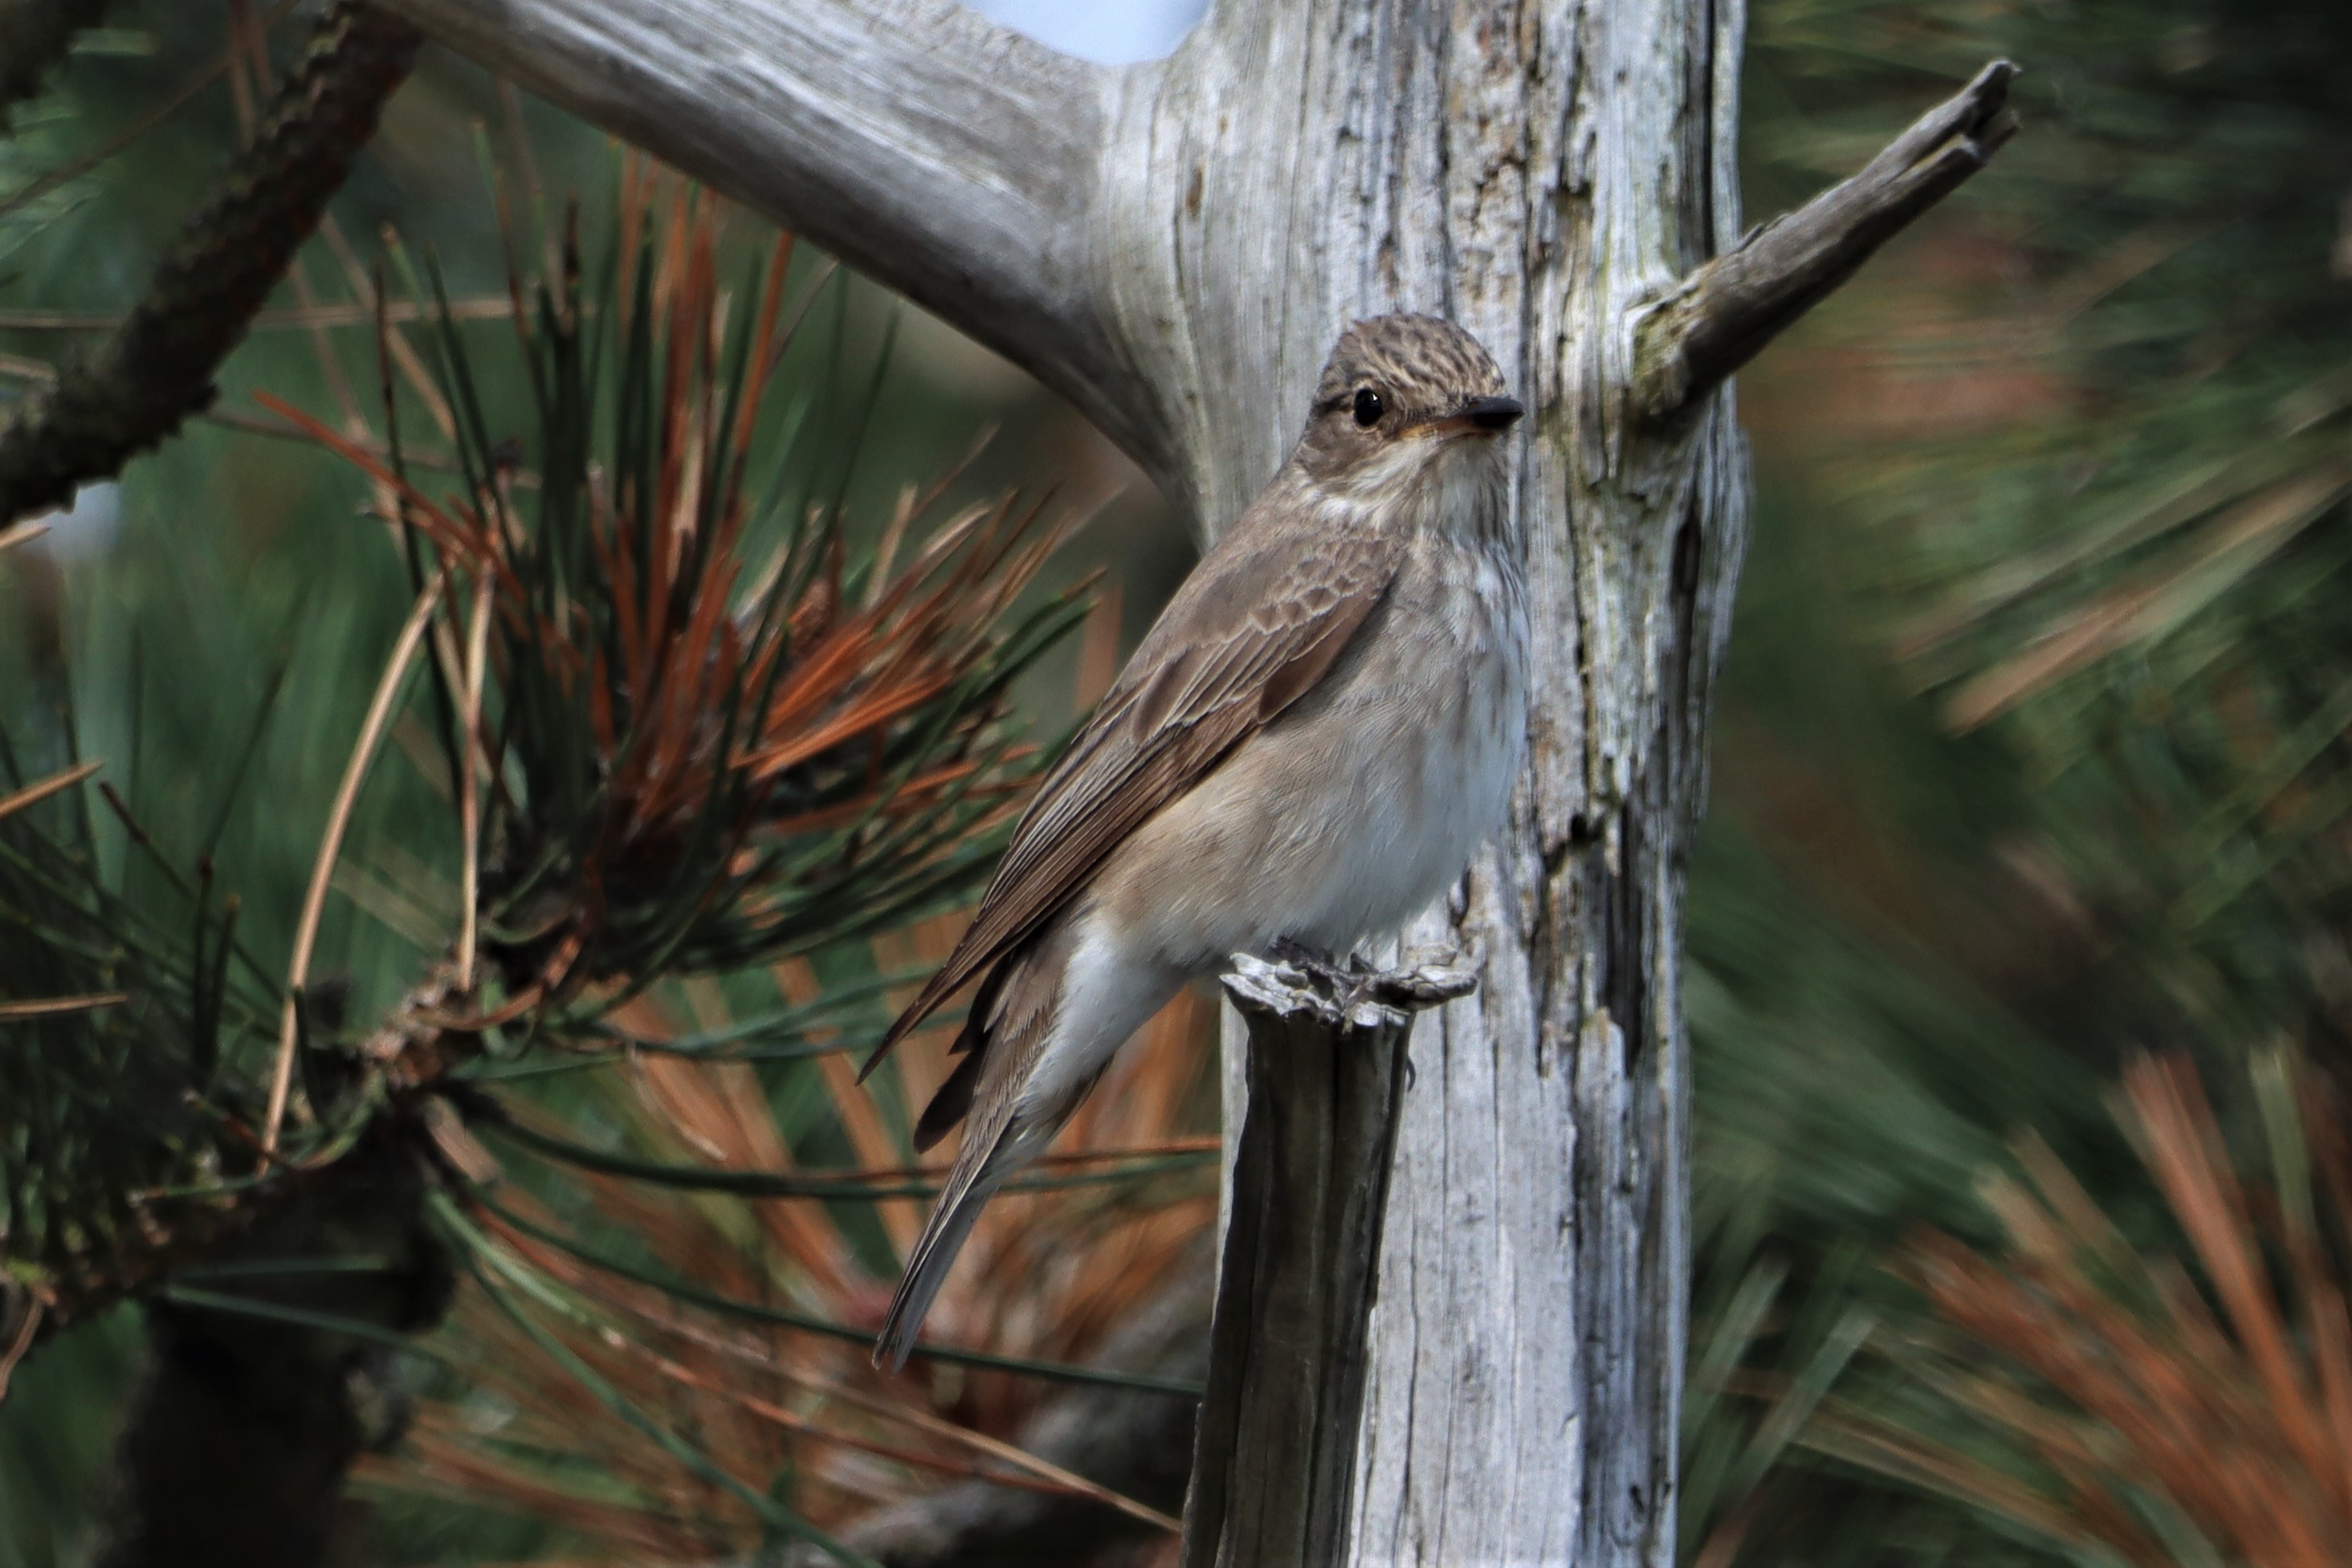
1174	246
1274	1465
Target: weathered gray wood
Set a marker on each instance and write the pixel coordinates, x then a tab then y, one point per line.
1723	314
949	158
1174	246
1274	1464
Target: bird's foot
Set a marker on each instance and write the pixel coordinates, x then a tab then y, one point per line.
1314	960
1350	994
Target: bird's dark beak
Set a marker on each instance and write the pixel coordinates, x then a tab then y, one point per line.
1482	416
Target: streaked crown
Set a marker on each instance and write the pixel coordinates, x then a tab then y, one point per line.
1399	396
1419	364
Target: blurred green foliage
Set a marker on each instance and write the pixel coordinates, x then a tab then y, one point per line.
2110	523
2030	756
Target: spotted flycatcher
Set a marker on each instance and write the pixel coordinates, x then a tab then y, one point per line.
1324	723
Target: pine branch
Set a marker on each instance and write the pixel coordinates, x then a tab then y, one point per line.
158	368
258	1393
1131	1442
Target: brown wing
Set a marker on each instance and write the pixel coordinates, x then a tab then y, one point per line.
1250	633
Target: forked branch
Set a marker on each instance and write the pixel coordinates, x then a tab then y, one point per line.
1724	313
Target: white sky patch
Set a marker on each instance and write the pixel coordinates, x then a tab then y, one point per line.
87	527
1113	32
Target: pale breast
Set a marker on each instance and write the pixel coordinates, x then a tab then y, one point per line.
1351	813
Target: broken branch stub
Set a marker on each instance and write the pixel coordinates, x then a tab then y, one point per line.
1276	1456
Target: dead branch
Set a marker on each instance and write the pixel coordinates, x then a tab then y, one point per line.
1274	1464
1724	313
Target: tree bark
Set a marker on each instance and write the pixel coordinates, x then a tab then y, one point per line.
1275	1466
1174	246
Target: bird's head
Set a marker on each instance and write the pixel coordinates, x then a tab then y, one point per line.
1404	400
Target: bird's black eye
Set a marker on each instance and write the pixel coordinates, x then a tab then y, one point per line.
1367	407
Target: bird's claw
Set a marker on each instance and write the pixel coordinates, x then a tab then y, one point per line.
1354	993
1314	960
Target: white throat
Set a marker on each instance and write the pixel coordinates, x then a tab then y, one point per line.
1458	486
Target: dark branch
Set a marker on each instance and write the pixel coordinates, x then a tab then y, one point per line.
158	368
234	1445
34	35
1723	314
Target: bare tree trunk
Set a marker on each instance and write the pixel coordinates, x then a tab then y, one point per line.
1174	246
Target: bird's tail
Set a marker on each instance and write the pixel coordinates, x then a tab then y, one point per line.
972	1183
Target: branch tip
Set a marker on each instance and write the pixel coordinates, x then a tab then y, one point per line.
1723	314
